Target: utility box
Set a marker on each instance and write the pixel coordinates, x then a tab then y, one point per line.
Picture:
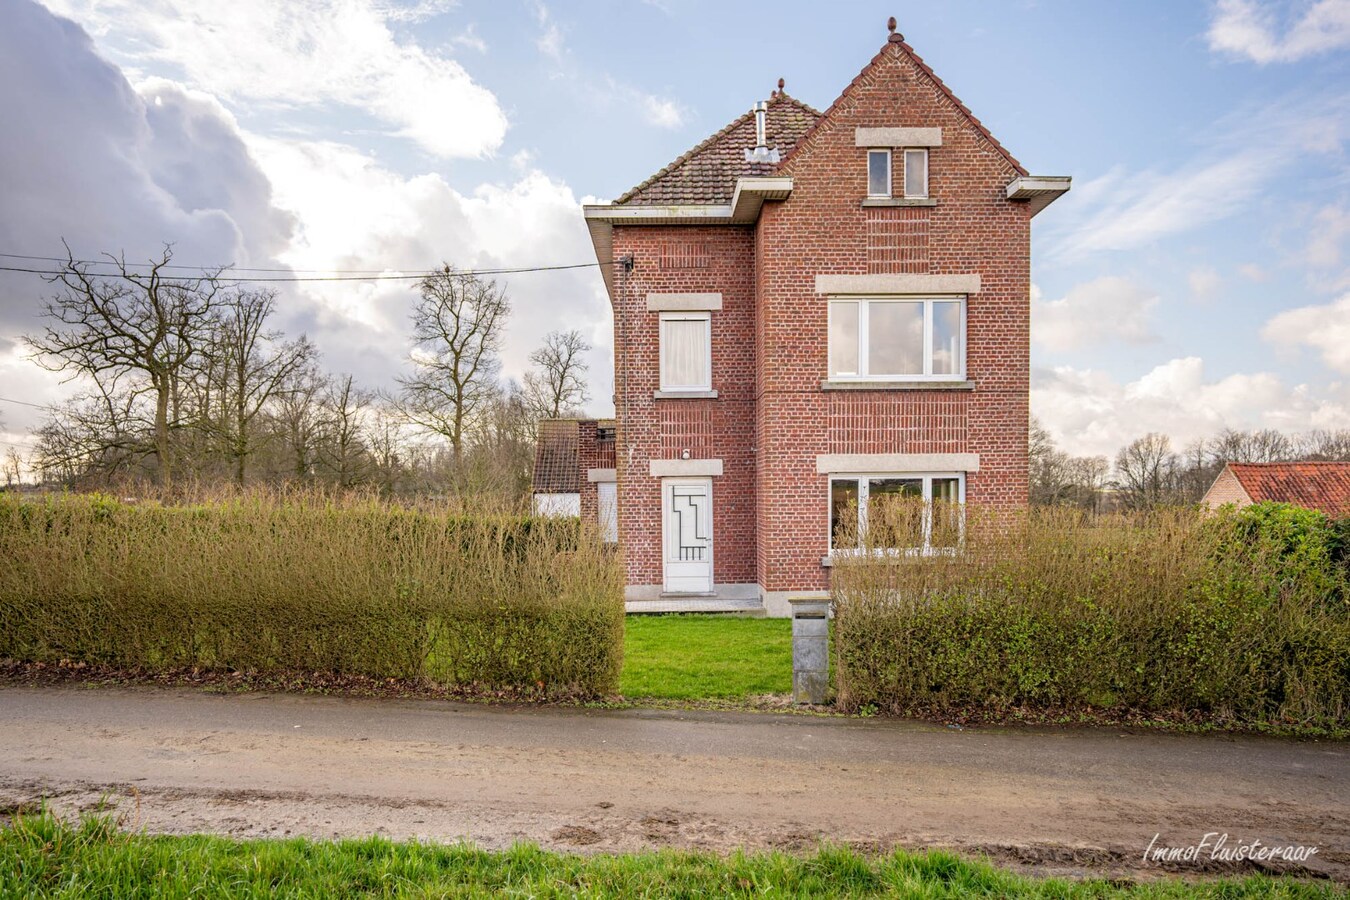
810	649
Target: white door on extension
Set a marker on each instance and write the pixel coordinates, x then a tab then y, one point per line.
687	537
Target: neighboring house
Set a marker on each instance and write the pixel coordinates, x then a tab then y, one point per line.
812	311
1323	486
574	472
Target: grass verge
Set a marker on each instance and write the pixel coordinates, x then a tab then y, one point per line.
42	856
693	657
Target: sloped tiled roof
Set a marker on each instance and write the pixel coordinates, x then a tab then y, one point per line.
556	469
1323	486
707	174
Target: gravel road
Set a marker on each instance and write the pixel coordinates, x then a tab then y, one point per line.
1050	801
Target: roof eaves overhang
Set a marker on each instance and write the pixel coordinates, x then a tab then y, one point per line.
743	210
1038	191
752	192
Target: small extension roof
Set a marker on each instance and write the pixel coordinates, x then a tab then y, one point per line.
1323	486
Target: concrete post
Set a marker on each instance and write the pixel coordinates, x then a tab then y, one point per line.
810	648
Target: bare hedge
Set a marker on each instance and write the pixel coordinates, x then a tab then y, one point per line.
312	584
1241	617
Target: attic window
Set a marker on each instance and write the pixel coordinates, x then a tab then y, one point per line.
878	173
916	174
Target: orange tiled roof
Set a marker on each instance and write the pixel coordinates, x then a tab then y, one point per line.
1323	486
707	174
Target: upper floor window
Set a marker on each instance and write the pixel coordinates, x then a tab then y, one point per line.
913	338
878	173
916	174
686	351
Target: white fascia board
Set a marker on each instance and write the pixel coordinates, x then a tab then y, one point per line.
699	214
602	239
883	285
675	468
880	138
1038	191
751	192
879	463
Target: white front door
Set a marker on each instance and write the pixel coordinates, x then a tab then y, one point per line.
687	537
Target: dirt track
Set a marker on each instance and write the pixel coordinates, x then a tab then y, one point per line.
600	781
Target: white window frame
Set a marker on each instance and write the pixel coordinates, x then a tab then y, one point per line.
863	482
905	186
706	319
864	318
890	175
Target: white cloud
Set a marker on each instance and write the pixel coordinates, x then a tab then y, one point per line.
1244	152
1325	329
1109	308
308	53
1246	28
550	41
1091	413
1204	282
356	214
1331	226
662	112
1253	272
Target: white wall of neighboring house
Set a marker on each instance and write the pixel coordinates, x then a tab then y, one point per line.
557	504
607	499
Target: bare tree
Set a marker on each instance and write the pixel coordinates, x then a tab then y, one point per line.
1322	445
133	334
557	386
246	366
457	331
13	467
1146	471
343	449
297	417
1264	445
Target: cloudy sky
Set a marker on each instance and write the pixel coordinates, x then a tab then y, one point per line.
1197	276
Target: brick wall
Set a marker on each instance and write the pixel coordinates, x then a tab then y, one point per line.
1226	489
592	453
685	260
824	229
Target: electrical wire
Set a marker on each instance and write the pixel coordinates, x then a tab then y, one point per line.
226	277
26	403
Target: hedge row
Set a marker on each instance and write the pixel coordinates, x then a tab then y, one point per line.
1243	616
312	584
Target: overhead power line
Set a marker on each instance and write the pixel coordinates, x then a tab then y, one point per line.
25	403
385	275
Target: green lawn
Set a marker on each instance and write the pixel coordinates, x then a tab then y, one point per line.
41	857
705	657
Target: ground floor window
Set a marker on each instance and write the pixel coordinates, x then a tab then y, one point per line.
918	512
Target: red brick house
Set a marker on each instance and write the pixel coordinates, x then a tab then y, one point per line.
813	310
1323	486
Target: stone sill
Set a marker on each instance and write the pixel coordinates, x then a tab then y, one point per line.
828	385
898	201
684	395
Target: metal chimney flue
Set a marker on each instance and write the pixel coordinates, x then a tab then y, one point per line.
762	152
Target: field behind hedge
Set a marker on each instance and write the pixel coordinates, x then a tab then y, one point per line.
1240	618
312	583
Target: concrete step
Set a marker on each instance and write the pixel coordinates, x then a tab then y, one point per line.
696	604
